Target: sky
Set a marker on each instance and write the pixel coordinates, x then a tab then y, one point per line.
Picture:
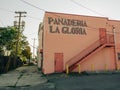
36	9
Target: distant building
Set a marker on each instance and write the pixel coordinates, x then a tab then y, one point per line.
76	41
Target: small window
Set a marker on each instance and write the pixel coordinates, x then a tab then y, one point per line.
118	56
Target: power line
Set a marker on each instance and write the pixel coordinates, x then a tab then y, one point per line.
6	10
3	9
87	8
71	1
55	15
33	17
81	5
35	6
32	5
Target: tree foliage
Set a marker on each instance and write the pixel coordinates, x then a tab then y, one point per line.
26	52
8	39
7	36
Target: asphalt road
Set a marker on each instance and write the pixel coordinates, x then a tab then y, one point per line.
29	78
86	82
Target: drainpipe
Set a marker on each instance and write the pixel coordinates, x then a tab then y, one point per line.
114	33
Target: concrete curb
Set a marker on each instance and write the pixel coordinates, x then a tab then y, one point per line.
99	72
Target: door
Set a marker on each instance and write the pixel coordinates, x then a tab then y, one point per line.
103	37
58	62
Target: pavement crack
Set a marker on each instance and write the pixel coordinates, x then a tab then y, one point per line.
18	79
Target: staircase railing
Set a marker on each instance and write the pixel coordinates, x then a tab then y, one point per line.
108	40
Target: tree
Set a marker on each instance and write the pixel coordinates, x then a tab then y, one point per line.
26	53
8	39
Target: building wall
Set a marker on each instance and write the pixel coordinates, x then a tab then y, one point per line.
116	25
40	44
58	40
103	60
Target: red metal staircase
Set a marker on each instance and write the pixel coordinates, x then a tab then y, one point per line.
104	41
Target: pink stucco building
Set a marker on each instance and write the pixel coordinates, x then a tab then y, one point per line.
77	40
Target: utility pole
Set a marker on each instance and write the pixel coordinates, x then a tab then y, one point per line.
18	26
114	33
34	48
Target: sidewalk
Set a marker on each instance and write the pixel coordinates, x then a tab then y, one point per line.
23	78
